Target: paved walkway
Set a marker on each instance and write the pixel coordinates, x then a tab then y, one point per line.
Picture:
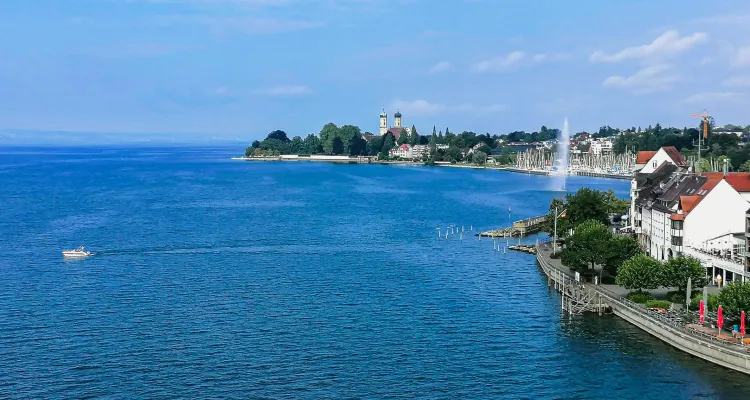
661	293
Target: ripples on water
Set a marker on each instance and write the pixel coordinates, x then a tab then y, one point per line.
294	280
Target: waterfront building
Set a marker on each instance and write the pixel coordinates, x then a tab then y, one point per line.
420	151
676	212
404	151
646	163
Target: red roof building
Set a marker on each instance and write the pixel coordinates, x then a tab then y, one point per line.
644	156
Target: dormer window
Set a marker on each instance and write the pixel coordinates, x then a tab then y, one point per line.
654	164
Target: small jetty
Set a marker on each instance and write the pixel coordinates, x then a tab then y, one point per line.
525	248
520	228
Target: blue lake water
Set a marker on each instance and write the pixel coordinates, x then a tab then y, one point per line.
220	278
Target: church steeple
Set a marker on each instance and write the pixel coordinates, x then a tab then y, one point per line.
383	123
397	119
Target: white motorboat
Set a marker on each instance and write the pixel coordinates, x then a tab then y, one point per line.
77	253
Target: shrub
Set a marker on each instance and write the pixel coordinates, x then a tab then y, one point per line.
677	297
608	280
556	254
639	297
658	304
713	302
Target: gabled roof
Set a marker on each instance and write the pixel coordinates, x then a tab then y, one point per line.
688	203
644	156
675	155
740	181
396	132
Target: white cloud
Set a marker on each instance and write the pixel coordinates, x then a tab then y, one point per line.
648	79
514	59
440	67
669	43
713	97
426	108
286	91
499	63
737	81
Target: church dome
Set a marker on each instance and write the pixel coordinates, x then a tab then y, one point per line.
397	114
383	114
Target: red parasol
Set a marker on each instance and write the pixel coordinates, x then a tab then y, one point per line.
720	318
702	309
742	323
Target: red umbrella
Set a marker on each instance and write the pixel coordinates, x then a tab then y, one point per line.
720	318
742	323
702	309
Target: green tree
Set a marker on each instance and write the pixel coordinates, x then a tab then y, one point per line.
312	145
614	204
479	158
337	146
327	134
278	135
388	144
586	204
349	135
255	144
679	269
357	146
374	145
640	273
403	137
618	250
296	146
745	167
563	223
454	154
734	299
414	138
249	151
587	246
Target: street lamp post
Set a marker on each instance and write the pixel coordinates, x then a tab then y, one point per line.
554	241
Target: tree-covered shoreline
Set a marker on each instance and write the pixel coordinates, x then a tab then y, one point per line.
730	141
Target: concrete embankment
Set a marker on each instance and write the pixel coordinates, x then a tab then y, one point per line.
669	328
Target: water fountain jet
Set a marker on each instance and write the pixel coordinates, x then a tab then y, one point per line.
562	157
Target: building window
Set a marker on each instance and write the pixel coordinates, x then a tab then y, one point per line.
676	240
677	224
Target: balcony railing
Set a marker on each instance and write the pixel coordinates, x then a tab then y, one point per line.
734	264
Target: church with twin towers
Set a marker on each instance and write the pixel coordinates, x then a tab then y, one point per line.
395	130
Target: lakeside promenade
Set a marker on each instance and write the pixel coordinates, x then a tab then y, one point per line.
673	328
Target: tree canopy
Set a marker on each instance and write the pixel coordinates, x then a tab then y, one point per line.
677	271
587	247
735	298
640	273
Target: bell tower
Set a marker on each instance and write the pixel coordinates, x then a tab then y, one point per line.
383	123
397	119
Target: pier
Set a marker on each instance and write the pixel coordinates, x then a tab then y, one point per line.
671	327
523	227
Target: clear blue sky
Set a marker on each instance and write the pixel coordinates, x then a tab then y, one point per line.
240	68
